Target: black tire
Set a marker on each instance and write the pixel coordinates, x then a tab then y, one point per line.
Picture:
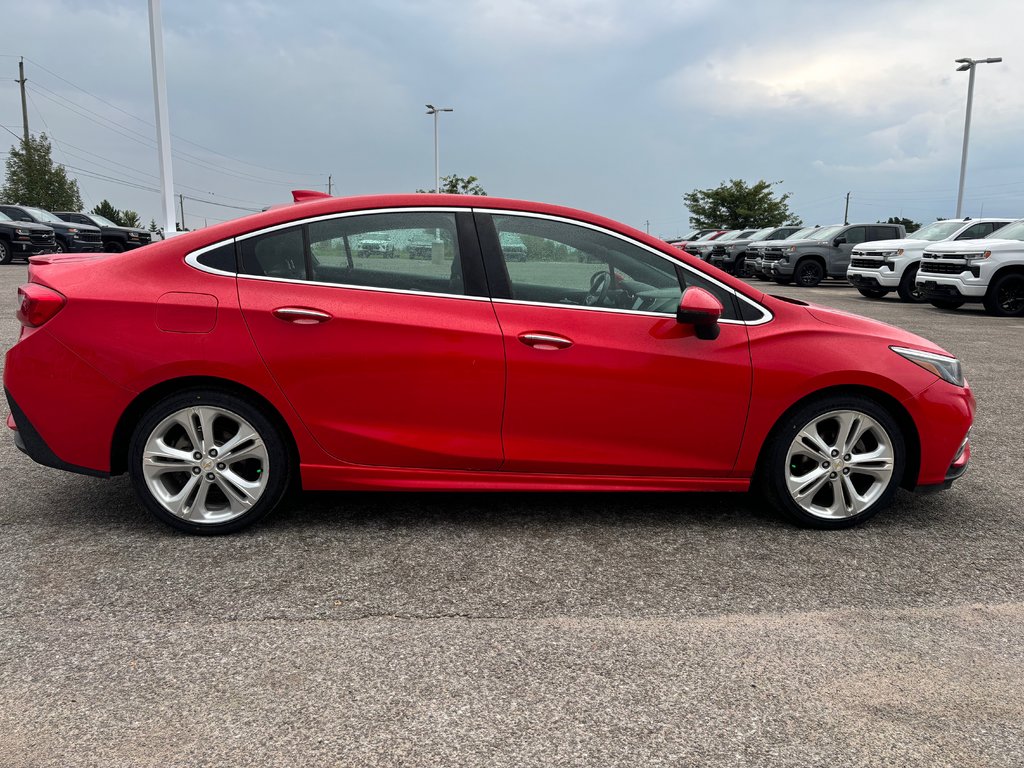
946	303
59	247
114	247
808	273
6	252
908	290
872	293
740	267
775	460
1005	296
277	472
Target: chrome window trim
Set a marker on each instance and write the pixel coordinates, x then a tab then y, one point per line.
192	260
766	314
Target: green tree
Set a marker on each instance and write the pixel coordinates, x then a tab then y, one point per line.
737	205
123	218
456	185
32	178
910	224
152	226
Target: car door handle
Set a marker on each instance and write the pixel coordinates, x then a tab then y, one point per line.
547	341
301	315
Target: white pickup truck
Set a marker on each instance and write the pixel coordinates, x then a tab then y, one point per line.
883	266
990	270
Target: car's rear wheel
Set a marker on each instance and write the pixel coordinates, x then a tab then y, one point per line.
835	462
1005	296
872	293
946	303
208	462
114	247
908	289
6	253
809	273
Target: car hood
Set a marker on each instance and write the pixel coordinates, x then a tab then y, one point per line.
868	327
888	245
982	244
806	242
65	225
31	226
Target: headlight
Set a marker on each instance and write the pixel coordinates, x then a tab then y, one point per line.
134	235
976	256
72	231
22	232
946	368
891	254
791	249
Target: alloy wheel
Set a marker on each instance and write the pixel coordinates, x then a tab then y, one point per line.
205	464
1010	295
839	464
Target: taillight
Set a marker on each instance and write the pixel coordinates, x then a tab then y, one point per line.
37	304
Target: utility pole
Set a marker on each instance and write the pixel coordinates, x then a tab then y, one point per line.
846	211
647	225
181	203
968	65
436	111
24	105
163	124
329	184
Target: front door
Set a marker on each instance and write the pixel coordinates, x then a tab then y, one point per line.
601	377
374	327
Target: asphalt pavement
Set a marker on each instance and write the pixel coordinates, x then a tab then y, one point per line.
526	629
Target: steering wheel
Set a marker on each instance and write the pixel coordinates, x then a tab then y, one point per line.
600	282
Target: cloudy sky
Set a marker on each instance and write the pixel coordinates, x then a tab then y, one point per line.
615	106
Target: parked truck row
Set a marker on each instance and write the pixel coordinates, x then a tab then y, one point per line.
29	231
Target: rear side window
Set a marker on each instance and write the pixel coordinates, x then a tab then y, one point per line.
856	235
404	251
883	233
276	254
221	258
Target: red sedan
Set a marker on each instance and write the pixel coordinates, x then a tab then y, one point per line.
392	343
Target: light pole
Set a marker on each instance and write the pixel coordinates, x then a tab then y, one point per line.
435	111
968	65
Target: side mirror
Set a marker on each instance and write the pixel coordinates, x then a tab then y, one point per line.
699	308
839	240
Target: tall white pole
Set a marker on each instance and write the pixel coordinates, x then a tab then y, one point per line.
163	126
437	160
967	136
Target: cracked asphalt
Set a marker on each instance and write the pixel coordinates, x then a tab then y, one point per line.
526	630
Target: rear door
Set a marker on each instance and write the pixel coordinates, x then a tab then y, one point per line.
392	357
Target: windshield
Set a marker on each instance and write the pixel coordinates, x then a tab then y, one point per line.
41	215
825	233
730	235
937	230
710	235
800	234
103	222
762	234
4	217
691	235
1013	231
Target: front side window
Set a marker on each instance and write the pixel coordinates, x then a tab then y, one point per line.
555	262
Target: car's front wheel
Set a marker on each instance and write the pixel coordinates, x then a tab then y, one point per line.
1005	297
835	462
208	462
909	290
5	253
809	273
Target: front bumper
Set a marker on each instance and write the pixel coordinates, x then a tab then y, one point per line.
26	249
860	280
873	278
779	268
952	286
943	415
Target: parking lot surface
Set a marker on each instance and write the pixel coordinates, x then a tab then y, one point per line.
526	629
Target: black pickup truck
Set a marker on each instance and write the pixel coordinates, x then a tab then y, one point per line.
21	240
115	237
71	238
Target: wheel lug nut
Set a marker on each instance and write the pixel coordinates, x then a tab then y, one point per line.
846	471
846	457
833	476
835	453
209	475
221	465
196	470
197	455
824	465
213	452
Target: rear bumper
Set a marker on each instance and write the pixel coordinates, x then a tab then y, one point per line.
28	441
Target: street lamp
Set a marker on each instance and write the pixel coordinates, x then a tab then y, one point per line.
968	65
435	111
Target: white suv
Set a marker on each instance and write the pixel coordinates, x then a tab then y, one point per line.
891	265
990	270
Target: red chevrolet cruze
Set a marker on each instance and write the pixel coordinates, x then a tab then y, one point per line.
434	342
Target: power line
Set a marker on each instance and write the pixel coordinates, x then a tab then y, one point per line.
146	122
